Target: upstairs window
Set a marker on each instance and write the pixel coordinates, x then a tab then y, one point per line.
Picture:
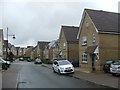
64	45
94	39
84	41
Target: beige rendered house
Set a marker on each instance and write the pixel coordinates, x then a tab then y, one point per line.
99	37
68	43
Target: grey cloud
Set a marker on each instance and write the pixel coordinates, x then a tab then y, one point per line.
34	21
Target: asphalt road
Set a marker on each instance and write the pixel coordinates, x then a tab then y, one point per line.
29	75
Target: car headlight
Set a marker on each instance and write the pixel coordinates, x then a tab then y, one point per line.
61	68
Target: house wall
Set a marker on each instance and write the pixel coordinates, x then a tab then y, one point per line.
87	30
62	48
73	51
109	47
46	53
50	53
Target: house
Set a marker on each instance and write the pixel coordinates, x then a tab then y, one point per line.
68	43
34	52
99	37
28	52
13	49
50	51
40	47
1	42
5	49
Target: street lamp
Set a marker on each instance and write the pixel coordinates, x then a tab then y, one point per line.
13	36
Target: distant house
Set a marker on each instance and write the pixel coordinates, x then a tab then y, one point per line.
5	48
40	47
51	50
28	51
1	42
68	43
99	37
13	49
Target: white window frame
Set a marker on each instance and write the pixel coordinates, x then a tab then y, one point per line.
94	38
64	45
84	58
84	40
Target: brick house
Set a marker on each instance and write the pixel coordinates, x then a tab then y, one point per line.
28	51
40	47
68	43
51	50
98	39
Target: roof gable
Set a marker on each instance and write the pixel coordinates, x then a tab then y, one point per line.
42	44
104	21
70	33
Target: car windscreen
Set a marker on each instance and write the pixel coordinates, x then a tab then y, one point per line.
37	60
109	62
63	62
116	63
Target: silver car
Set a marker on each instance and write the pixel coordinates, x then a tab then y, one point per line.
115	68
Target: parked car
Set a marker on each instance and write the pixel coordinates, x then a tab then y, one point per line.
62	67
37	61
3	64
21	59
75	63
29	60
106	66
6	62
115	68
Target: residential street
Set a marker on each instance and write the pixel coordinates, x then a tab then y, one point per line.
28	75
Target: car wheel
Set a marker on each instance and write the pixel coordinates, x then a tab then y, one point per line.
59	71
114	74
4	66
53	70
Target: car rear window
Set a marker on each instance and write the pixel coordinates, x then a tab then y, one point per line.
64	62
109	62
116	63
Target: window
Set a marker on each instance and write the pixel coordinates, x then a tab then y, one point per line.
87	24
84	41
84	58
64	45
94	39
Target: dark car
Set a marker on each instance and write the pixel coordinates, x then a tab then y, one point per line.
3	64
37	61
75	63
21	59
106	66
29	60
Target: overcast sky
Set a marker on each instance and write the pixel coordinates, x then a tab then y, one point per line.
41	20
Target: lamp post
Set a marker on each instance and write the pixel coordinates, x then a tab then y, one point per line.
13	36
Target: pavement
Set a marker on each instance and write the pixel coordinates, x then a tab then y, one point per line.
101	78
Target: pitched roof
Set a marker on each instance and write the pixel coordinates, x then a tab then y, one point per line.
104	21
42	44
70	33
91	49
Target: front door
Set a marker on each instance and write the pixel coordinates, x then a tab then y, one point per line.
93	61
